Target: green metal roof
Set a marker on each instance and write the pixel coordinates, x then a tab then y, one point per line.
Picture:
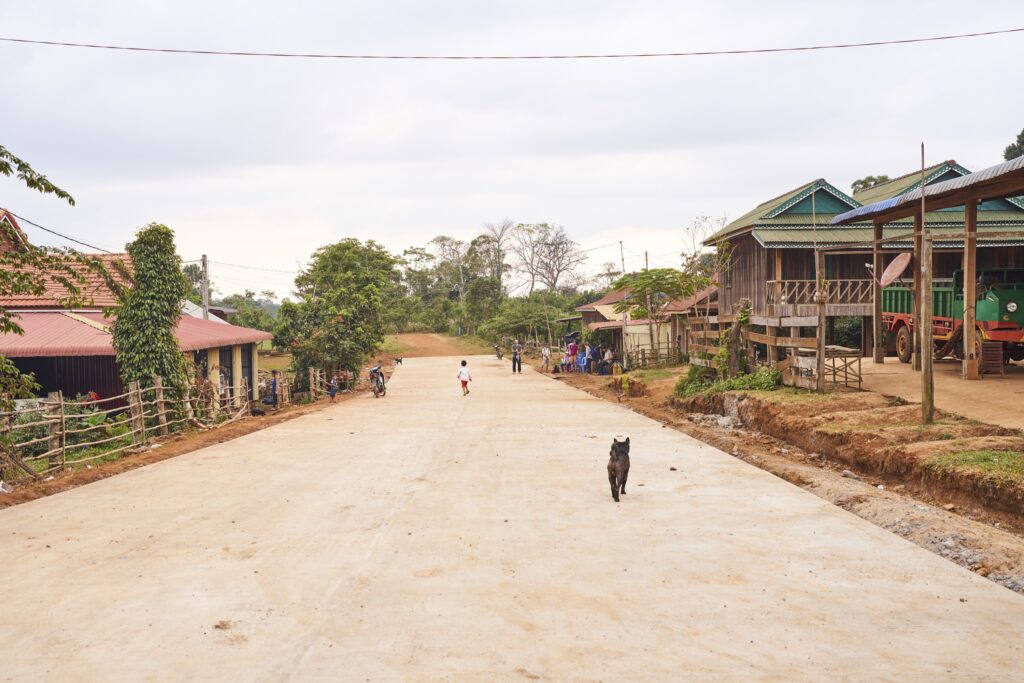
789	210
771	211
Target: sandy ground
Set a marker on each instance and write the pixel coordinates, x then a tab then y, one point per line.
995	399
427	536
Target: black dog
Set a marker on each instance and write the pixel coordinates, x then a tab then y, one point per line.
398	361
256	411
618	467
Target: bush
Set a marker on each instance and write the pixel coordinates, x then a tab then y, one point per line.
764	379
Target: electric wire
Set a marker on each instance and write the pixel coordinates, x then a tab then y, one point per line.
60	234
634	55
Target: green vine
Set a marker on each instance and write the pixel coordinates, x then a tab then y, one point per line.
143	334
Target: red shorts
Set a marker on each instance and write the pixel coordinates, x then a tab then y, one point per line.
465	383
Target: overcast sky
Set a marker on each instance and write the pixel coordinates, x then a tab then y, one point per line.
260	161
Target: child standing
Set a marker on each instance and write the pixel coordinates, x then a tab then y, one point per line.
465	378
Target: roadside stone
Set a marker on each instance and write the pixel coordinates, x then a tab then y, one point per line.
949	507
850	475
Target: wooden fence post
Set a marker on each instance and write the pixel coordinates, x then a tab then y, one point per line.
312	384
187	399
54	409
161	415
135	410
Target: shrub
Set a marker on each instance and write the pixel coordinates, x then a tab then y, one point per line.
764	379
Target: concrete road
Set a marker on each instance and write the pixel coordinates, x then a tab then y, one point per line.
427	536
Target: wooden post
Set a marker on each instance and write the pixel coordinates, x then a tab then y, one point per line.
135	410
312	384
187	399
161	416
916	316
63	430
927	347
54	408
878	337
819	298
970	367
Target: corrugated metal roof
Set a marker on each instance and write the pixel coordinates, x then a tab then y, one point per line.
690	302
900	184
59	333
831	236
612	297
1012	167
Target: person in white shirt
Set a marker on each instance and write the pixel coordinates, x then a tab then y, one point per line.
545	358
465	378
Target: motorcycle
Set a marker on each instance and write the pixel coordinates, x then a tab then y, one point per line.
497	351
377	382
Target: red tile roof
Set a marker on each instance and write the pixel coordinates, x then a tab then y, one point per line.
62	333
95	291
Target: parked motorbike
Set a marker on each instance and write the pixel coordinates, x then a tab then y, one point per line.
377	382
497	351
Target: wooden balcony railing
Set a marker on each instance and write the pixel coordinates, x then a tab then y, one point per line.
802	291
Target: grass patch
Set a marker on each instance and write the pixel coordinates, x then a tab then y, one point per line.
473	345
1005	467
276	362
652	375
393	346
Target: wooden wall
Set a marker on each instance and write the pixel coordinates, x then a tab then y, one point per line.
747	277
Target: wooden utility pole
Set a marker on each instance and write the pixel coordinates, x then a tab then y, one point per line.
916	316
625	314
971	350
927	345
819	299
878	349
205	288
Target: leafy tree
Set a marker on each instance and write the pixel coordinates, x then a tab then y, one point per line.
651	291
10	164
341	317
143	334
1016	148
252	312
27	270
194	274
868	182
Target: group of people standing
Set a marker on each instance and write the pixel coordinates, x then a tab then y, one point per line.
588	358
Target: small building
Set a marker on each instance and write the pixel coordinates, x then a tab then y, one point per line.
71	350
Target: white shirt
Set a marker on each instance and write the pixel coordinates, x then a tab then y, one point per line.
464	374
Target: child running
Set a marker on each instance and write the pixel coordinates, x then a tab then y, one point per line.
465	378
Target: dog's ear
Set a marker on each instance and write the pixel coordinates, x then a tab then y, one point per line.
614	441
626	441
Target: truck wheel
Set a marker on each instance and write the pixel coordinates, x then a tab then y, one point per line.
904	344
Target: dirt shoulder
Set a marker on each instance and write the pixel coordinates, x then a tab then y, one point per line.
989	541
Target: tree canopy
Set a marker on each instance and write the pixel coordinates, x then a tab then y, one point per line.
1015	148
868	182
340	318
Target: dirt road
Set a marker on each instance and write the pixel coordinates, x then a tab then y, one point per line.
953	394
424	344
427	536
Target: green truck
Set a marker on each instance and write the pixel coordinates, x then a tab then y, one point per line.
999	314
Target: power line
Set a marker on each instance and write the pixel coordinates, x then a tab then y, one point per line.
635	55
59	234
269	270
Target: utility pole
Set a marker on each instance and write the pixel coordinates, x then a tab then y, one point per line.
927	345
205	289
625	314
